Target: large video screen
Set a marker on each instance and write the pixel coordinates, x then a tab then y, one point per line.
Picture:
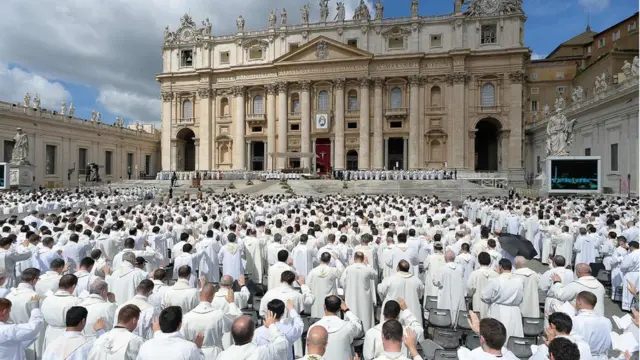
4	177
574	175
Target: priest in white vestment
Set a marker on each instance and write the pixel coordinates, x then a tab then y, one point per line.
393	310
448	279
466	261
22	306
341	332
187	258
403	284
168	342
557	264
586	248
302	299
10	256
560	326
317	340
585	282
241	298
359	284
209	264
54	308
253	249
159	288
432	265
504	294
100	304
290	327
630	267
402	251
394	339
276	270
181	293
49	281
303	257
230	257
493	338
72	344
323	281
148	311
85	278
244	349
16	337
594	328
478	279
121	343
530	306
124	281
563	243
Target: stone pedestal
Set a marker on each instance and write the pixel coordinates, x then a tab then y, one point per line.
21	176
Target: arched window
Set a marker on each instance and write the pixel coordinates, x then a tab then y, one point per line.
436	97
396	98
352	100
258	107
323	100
187	109
224	107
295	103
488	95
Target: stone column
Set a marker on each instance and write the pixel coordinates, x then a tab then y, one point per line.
283	128
365	149
339	125
239	154
458	119
196	142
386	153
333	152
305	126
378	157
173	164
472	149
249	159
313	159
515	120
414	122
203	161
405	155
166	143
271	125
504	156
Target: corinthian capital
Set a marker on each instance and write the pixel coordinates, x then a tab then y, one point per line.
305	85
378	82
415	80
238	91
517	77
204	92
270	88
338	84
166	95
282	86
365	82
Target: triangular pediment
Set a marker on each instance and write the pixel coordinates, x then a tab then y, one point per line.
323	49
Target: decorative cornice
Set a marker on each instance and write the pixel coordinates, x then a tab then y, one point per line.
166	95
223	92
204	92
339	84
282	86
365	82
517	77
271	89
238	91
305	85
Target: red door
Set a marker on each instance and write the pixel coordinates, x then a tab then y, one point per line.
323	156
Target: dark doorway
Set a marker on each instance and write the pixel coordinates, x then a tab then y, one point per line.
186	154
487	146
396	154
257	156
352	160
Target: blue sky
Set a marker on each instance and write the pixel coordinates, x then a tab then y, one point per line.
104	55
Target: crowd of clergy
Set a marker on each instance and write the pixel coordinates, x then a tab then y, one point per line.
231	276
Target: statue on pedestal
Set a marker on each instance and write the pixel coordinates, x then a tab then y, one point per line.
545	111
272	19
63	108
72	110
27	100
362	12
36	102
240	24
340	12
304	12
93	115
577	95
414	8
283	17
98	117
634	67
20	152
324	10
559	131
207	27
379	10
601	84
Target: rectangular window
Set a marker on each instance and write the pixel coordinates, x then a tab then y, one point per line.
83	161
436	41
535	91
186	58
396	42
108	162
295	105
534	105
224	57
295	127
538	165
50	160
588	50
352	43
395	124
534	76
352	102
632	26
616	35
601	43
614	157
256	129
129	162
352	125
561	89
293	47
488	34
147	164
8	150
255	53
560	75
587	152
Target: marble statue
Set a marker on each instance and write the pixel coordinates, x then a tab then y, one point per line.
577	95
240	23
601	84
340	12
626	69
634	67
324	10
138	126
362	12
93	115
63	108
545	111
283	17
304	12
27	100
379	10
272	19
207	27
457	6
414	8
72	110
559	131
36	102
20	148
169	36
98	117
512	6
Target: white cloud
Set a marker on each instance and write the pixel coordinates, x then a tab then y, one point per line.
535	56
131	106
594	5
15	82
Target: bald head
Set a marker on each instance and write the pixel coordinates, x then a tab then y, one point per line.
317	339
226	281
583	270
242	330
207	292
520	262
449	256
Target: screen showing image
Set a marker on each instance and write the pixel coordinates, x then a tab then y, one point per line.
2	179
572	175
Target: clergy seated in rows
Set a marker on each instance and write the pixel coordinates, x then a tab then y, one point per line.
241	298
317	341
15	337
478	280
560	326
557	266
55	306
291	327
403	284
450	292
148	311
49	280
594	328
168	342
341	332
182	294
121	342
22	307
85	278
230	257
100	304
323	281
359	283
209	321
393	336
564	349
530	306
242	332
285	291
585	282
124	281
630	267
393	310
72	344
504	294
493	338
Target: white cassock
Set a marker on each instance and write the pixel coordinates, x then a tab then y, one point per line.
169	346
431	266
191	260
276	349
231	258
630	267
16	337
85	279
583	347
253	250
404	285
286	292
468	263
586	248
47	284
124	281
479	354
323	282
545	282
451	294
372	347
21	310
8	260
291	328
275	272
341	334
54	310
568	292
147	313
595	330
504	294
303	257
403	252
70	345
97	308
212	323
209	264
158	242
617	276
117	344
530	306
182	294
241	299
157	297
475	285
564	246
359	284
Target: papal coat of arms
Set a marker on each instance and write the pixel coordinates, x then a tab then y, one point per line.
322	51
490	6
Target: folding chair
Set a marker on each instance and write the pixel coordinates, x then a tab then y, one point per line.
520	346
447	339
446	355
432	302
533	327
440	318
463	320
472	341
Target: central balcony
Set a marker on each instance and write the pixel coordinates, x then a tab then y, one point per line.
396	113
256	118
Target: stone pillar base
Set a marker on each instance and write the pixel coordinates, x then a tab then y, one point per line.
21	176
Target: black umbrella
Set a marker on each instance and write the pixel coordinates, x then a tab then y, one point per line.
517	245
